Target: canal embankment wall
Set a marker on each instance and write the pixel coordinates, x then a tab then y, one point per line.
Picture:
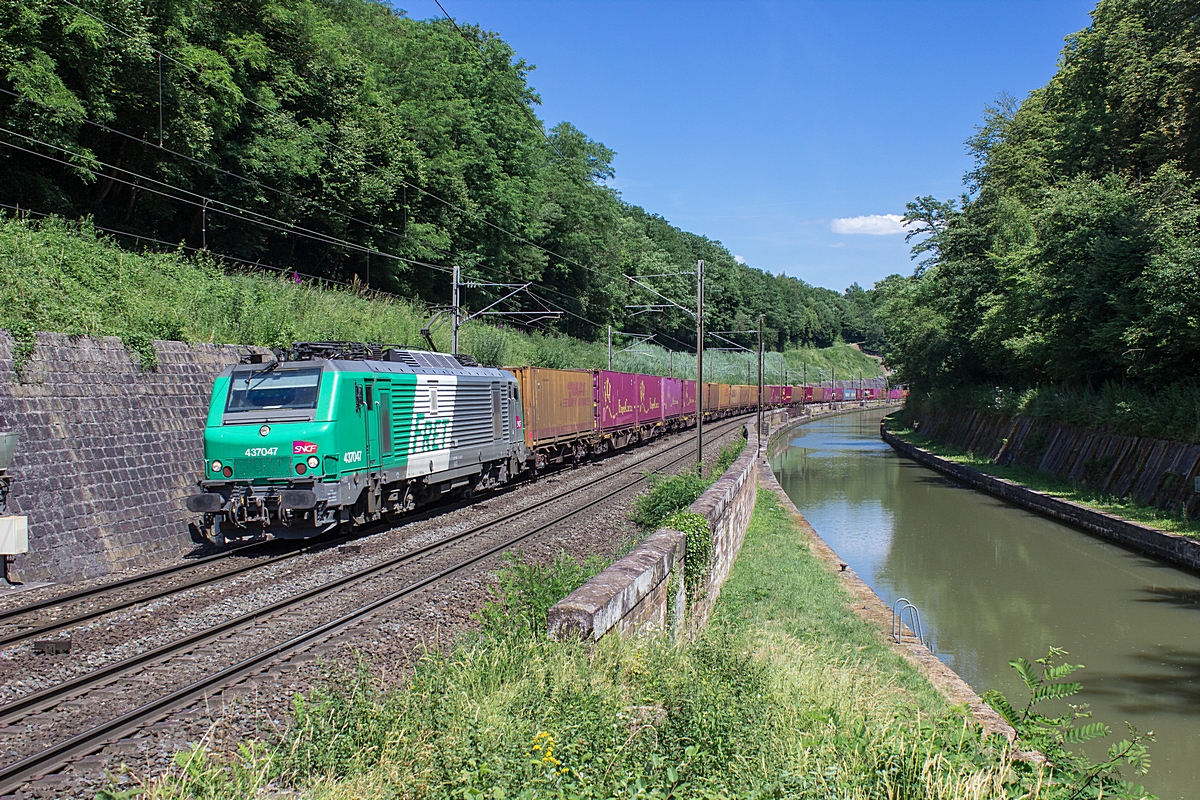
645	589
1172	548
1156	472
871	607
107	450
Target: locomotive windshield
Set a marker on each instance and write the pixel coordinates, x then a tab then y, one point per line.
263	390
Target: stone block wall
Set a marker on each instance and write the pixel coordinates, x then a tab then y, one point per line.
107	451
728	506
1170	547
1153	471
645	590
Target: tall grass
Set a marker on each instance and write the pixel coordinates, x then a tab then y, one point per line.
69	278
787	694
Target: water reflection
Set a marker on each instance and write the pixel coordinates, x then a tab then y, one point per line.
993	582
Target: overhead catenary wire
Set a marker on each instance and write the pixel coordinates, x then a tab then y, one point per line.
449	204
230	173
21	211
203	201
285	227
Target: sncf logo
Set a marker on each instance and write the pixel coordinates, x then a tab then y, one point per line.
303	448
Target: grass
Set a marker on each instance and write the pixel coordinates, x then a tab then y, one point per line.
1126	508
69	278
786	694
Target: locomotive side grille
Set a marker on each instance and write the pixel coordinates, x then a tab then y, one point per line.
269	467
472	424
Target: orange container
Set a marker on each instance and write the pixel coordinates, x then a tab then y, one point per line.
559	403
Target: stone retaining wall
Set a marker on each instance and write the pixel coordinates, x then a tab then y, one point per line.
645	590
1153	471
107	451
1169	547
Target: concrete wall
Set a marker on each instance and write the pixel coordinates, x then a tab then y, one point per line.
1153	471
645	590
1169	547
107	451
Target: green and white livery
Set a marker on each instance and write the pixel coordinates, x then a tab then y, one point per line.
333	433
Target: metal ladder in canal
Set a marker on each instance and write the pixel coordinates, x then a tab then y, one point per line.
914	620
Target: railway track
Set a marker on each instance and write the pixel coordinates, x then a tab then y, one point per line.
434	562
16	627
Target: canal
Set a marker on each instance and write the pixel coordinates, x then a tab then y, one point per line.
993	583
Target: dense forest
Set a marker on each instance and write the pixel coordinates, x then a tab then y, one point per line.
344	140
1073	258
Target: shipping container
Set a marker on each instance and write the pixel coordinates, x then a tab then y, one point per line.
849	394
558	403
774	395
712	397
616	395
689	397
786	395
672	397
723	403
739	395
895	394
819	394
650	402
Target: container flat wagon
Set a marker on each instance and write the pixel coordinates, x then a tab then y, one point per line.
560	412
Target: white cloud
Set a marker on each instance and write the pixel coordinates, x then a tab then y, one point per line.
873	224
740	259
838	244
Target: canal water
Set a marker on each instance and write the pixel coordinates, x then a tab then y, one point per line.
993	583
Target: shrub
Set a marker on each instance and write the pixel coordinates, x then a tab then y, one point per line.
667	495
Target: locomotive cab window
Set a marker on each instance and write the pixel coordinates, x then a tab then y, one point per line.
259	390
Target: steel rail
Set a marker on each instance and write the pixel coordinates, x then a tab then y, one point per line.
44	629
16	774
46	698
132	580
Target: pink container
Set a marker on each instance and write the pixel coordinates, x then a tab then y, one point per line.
672	397
785	395
650	399
895	394
689	397
616	400
774	395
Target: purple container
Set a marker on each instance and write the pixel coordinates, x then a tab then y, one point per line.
672	397
650	401
616	400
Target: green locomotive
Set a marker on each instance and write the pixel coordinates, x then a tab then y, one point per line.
331	432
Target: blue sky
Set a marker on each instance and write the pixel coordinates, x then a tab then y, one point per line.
761	124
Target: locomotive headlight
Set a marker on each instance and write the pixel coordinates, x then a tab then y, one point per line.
313	462
216	466
264	430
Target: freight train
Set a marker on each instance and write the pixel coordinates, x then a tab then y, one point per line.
334	433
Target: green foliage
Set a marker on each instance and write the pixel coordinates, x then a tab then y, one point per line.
1077	775
524	591
1171	412
698	557
666	495
729	454
1073	258
407	139
786	694
70	278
